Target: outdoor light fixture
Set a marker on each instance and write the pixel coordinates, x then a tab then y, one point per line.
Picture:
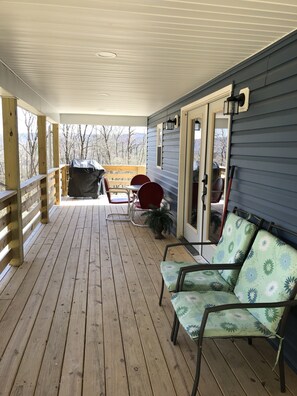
237	103
197	125
170	124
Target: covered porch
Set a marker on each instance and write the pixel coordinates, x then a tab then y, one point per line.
80	316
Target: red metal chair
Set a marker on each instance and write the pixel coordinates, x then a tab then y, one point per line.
139	179
149	196
217	190
113	199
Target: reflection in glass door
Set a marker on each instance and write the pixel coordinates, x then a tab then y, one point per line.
219	153
216	158
196	127
194	176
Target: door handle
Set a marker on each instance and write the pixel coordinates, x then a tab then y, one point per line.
204	190
205	179
204	193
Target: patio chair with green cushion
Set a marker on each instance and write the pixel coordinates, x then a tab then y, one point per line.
233	246
258	307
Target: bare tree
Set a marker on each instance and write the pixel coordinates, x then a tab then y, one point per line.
220	147
105	132
130	144
84	134
141	151
106	144
118	132
68	142
30	145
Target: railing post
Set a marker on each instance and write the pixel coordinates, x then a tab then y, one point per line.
42	161
56	155
12	175
64	181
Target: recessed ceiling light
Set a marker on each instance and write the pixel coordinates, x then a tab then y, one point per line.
105	54
103	94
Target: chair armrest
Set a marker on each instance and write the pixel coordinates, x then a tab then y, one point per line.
274	304
167	247
202	267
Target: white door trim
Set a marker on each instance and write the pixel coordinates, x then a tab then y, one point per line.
226	91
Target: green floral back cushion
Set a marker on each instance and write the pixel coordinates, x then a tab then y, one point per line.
268	274
233	245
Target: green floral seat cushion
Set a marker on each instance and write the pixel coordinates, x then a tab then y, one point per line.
232	248
190	306
199	280
268	274
233	245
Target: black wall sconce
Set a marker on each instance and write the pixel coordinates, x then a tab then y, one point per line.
197	125
237	103
170	124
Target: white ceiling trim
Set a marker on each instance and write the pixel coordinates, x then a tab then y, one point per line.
93	119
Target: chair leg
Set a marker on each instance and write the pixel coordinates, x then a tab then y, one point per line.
197	373
175	328
125	215
281	367
161	293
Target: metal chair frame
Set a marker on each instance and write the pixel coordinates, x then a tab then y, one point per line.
290	303
119	201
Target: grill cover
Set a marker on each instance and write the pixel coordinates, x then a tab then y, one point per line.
85	178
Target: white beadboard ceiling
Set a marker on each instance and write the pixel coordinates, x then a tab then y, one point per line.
165	48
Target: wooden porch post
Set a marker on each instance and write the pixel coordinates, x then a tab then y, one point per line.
12	175
56	154
42	162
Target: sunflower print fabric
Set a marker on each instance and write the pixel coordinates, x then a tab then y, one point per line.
190	306
268	274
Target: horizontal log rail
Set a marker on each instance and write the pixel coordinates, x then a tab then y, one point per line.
6	204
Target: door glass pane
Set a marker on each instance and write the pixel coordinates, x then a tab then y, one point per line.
194	176
217	179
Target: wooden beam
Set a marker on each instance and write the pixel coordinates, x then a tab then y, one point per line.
56	154
42	161
12	176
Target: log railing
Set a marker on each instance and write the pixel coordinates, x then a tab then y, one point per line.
121	175
38	195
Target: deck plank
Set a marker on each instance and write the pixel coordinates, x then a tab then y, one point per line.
48	379
27	374
72	371
14	350
115	369
81	317
94	378
180	380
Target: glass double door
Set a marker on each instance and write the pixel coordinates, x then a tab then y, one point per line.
206	156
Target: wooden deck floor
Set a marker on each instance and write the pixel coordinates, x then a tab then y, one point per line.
81	317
